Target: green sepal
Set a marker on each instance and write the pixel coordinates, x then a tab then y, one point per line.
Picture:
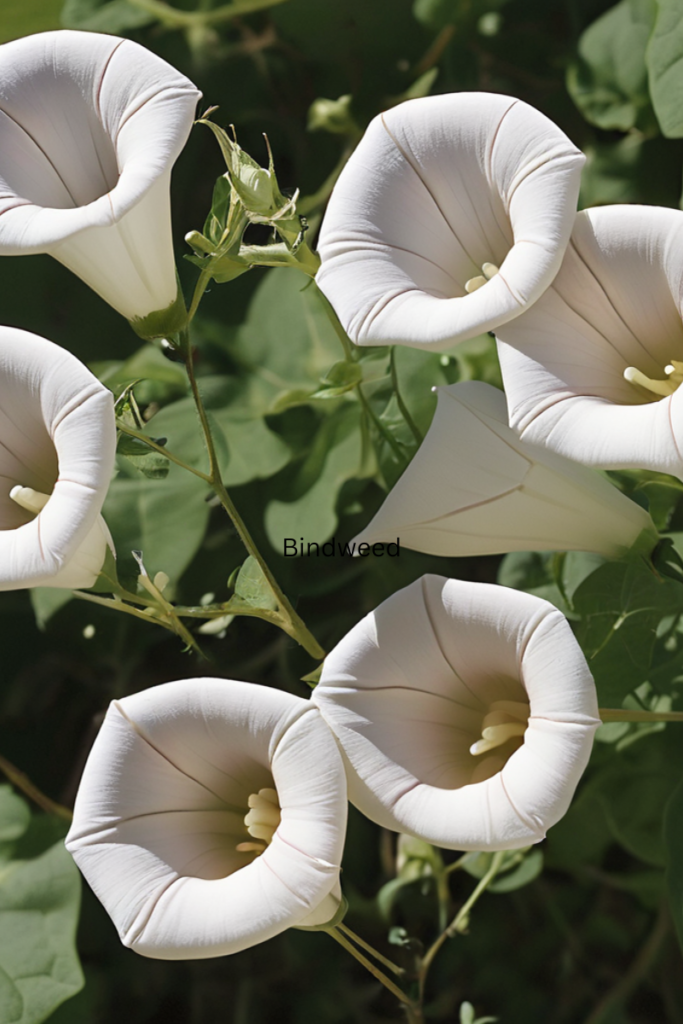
332	923
313	678
162	323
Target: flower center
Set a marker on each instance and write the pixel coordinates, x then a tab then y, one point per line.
28	499
505	722
488	271
261	820
660	388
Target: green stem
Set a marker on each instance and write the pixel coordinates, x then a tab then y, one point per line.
169	621
309	204
202	284
140	436
21	781
459	919
399	400
294	625
634	715
368	965
371	949
350	350
379	426
171	17
456	865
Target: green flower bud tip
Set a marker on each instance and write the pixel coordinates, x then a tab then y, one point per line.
332	116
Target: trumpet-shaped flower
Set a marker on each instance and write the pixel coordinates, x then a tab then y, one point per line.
57	445
465	711
474	488
450	218
592	370
90	126
211	816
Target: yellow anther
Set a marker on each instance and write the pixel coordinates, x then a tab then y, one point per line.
516	708
28	499
496	735
488	270
660	388
505	720
262	820
663	388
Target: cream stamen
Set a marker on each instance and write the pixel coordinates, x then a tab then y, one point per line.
28	499
505	720
661	388
489	270
261	820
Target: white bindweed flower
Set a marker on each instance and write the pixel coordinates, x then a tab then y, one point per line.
465	711
90	127
474	488
57	446
592	370
211	816
450	218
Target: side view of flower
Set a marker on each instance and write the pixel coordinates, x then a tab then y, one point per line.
475	488
450	219
57	444
592	371
211	816
466	713
90	127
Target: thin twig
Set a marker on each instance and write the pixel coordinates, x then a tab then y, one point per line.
371	949
631	978
22	782
375	971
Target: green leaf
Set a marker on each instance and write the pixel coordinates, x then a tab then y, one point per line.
553	577
309	508
633	801
39	904
673	848
247	448
581	837
156	378
621	605
287	339
252	587
24	17
115	16
608	83
15	815
342	377
665	67
519	867
165	519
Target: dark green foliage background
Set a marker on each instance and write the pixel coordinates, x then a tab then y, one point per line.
590	941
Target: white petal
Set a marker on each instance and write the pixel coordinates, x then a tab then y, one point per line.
58	437
161	807
437	188
400	691
475	488
615	303
90	126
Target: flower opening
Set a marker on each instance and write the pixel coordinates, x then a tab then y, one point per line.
56	459
211	816
466	714
450	218
90	127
